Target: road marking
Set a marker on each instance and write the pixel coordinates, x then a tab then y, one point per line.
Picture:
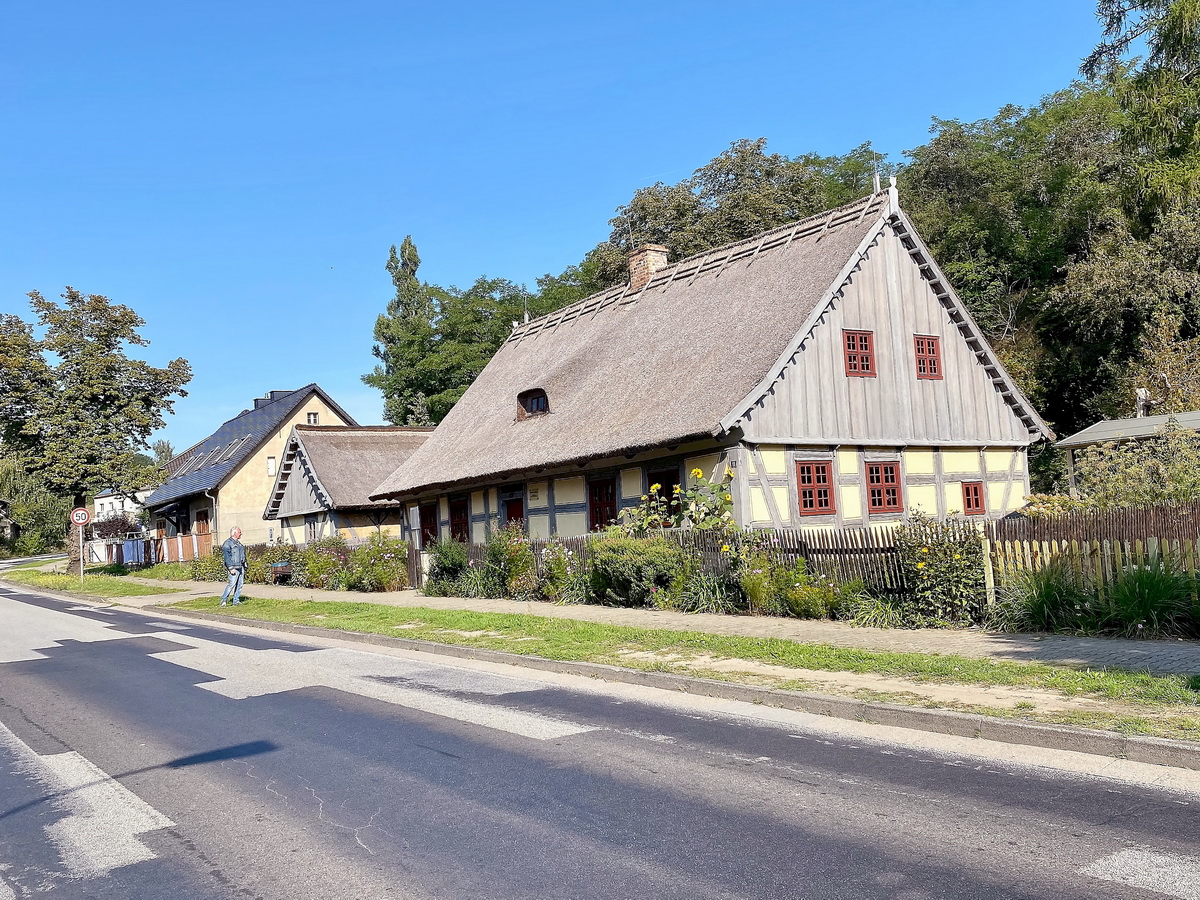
170	626
103	818
1163	873
247	673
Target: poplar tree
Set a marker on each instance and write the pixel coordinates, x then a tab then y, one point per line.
403	339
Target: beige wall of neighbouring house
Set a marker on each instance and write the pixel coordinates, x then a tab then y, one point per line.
244	494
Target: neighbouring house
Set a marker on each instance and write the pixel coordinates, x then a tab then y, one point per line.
1137	428
326	476
117	528
227	478
827	365
110	503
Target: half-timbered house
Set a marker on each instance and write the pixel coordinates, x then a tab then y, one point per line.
827	365
325	478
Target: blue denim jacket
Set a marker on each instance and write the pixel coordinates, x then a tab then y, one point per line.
235	554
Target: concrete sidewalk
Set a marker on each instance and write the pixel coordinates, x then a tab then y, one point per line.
1159	657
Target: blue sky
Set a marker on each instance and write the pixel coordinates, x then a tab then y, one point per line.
235	172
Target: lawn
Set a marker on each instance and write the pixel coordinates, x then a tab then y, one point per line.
93	585
660	649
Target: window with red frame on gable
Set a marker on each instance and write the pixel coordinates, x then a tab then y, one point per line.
929	356
859	347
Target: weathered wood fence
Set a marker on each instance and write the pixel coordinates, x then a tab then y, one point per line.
1098	547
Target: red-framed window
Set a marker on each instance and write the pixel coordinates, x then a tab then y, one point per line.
429	525
860	353
814	480
929	356
460	519
883	487
602	503
973	498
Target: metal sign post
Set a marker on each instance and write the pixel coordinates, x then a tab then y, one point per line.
80	517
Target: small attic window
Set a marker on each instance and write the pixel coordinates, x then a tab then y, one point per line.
532	403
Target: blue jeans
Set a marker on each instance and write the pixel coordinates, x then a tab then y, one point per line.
236	577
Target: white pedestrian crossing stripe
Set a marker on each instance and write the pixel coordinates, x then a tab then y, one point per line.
1164	873
103	819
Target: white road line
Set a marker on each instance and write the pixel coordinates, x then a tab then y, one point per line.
170	626
102	820
1163	873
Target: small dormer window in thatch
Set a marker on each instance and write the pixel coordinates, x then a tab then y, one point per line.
532	403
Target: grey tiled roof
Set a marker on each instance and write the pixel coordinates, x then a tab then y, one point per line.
1129	429
205	465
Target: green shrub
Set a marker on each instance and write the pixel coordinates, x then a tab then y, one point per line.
628	571
942	563
561	579
209	568
322	564
1153	600
702	592
874	611
448	561
259	559
510	560
381	564
1047	599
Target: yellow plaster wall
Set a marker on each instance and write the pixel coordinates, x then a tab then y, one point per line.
478	532
922	497
631	483
998	460
569	490
245	493
961	462
783	502
539	527
758	505
774	460
847	462
709	464
952	494
995	495
850	501
570	524
918	462
539	495
443	509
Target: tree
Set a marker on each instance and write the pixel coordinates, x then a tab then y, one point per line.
163	452
73	405
1163	95
403	338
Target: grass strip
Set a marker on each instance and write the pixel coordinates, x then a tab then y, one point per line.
93	585
165	571
570	639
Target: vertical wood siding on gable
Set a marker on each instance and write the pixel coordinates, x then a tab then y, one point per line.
816	401
300	493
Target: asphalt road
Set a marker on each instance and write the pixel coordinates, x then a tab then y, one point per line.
142	757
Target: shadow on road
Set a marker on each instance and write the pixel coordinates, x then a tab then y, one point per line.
234	751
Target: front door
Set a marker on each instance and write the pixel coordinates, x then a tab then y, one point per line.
602	503
429	525
514	510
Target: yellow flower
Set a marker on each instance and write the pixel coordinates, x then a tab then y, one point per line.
645	497
920	565
725	548
697	473
924	549
655	488
678	489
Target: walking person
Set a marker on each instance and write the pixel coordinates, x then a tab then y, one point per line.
235	562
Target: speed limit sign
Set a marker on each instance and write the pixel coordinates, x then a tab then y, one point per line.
80	516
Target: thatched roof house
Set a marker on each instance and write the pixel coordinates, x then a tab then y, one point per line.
834	341
326	477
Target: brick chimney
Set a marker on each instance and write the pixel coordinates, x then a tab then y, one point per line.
644	262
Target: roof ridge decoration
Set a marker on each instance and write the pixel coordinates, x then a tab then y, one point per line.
693	266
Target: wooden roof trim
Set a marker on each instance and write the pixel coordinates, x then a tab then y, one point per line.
967	325
735	416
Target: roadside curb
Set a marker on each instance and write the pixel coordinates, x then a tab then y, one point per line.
1155	751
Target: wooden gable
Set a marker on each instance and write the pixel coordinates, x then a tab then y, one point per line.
928	376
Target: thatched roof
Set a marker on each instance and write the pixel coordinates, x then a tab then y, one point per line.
347	462
626	370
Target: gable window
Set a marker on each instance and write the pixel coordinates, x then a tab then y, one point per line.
532	403
314	418
311	533
270	465
972	498
815	483
883	487
929	356
860	353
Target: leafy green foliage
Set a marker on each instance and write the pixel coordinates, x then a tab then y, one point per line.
40	514
942	563
630	571
448	561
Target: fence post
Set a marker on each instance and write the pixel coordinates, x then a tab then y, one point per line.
989	578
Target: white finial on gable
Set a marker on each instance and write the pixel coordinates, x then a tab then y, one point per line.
893	196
